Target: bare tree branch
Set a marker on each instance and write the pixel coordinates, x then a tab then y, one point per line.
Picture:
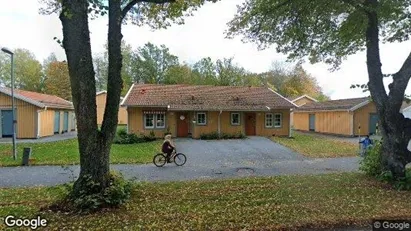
132	3
405	71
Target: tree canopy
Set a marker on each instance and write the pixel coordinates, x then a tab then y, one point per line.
322	30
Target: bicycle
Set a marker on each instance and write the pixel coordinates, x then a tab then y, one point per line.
160	159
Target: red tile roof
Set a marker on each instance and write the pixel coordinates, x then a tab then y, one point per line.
39	99
205	97
340	104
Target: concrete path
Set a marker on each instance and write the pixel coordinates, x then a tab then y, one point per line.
64	136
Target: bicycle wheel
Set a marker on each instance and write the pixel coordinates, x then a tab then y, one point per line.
159	160
180	159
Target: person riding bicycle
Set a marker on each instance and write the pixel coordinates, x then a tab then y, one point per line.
167	147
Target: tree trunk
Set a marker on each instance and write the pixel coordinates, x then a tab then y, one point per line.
94	146
396	130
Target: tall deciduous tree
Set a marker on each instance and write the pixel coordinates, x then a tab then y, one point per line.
27	70
328	31
58	80
94	143
152	62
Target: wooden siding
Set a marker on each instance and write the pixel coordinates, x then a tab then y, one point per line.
46	123
284	130
332	122
26	116
101	105
136	126
302	101
225	123
211	126
362	117
136	123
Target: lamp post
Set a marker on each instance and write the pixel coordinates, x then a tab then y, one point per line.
13	114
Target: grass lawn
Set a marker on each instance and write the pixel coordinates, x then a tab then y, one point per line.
66	153
317	147
284	202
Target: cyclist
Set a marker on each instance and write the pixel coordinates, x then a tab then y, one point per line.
167	147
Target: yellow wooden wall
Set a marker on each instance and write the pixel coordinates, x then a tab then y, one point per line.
284	130
25	116
332	122
226	127
362	117
101	105
136	120
212	125
46	122
300	121
302	101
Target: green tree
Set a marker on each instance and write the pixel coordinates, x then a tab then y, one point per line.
152	62
58	80
94	143
298	82
329	31
27	70
179	74
205	72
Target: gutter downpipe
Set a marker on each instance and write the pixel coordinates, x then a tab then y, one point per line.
219	123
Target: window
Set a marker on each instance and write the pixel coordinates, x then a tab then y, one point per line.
201	118
149	121
268	120
161	123
235	118
278	120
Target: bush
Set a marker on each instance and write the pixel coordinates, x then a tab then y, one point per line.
215	136
92	199
372	162
372	165
122	137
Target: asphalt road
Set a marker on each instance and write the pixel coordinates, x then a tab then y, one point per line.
256	156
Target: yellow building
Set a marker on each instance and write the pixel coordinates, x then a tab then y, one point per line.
302	100
348	117
190	111
37	115
101	98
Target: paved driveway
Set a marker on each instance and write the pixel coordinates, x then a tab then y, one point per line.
254	151
256	156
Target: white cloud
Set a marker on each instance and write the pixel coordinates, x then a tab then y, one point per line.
201	36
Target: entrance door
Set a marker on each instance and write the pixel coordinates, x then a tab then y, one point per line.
56	122
182	125
65	122
311	126
373	124
250	124
7	123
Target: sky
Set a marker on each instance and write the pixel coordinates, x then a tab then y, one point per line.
202	35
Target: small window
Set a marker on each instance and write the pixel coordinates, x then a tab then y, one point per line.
160	121
235	118
278	120
268	120
149	121
201	118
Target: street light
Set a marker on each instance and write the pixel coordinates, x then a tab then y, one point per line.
8	51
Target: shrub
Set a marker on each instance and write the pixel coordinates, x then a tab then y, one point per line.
372	162
210	136
240	135
116	194
122	137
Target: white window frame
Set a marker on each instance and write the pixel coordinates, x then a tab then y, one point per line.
281	120
164	120
272	120
145	121
239	118
205	118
